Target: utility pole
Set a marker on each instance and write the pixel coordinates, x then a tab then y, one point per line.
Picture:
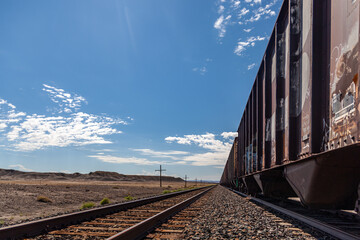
195	181
185	180
161	170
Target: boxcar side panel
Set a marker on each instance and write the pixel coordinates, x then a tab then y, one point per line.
306	78
344	67
295	74
287	85
267	111
254	127
273	102
261	120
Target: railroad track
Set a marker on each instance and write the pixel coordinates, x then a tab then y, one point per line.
175	226
131	220
332	223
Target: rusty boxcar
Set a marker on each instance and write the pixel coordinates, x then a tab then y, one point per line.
300	131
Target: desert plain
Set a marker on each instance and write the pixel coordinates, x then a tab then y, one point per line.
19	193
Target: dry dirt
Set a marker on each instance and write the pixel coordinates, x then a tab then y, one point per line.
18	198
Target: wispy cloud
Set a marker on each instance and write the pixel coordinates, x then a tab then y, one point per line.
262	11
243	45
29	132
201	70
221	24
214	150
20	167
221	9
9	115
251	66
161	154
67	102
147	173
242	14
124	160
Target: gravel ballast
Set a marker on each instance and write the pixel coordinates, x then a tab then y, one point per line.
227	215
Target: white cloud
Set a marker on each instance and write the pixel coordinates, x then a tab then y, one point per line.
221	23
217	150
217	158
29	132
122	160
66	101
206	141
158	154
2	126
229	135
258	13
235	4
20	167
201	70
243	12
4	102
253	1
251	66
8	115
221	9
243	45
38	131
147	173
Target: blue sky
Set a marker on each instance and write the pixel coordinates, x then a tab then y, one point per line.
127	85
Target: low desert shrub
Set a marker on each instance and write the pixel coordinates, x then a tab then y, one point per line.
87	205
104	201
44	199
129	197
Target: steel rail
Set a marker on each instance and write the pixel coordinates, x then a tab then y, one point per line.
37	227
326	228
141	229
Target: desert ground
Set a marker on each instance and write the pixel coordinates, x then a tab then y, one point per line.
19	197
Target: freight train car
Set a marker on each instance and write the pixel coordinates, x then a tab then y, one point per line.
299	134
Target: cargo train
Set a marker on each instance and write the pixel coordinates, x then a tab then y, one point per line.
299	134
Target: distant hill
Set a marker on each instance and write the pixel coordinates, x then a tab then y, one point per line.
10	174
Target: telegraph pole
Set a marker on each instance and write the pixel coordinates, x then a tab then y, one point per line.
161	170
185	180
195	181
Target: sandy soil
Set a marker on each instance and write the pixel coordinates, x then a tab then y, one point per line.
18	198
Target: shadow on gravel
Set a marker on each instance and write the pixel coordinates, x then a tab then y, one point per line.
294	226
